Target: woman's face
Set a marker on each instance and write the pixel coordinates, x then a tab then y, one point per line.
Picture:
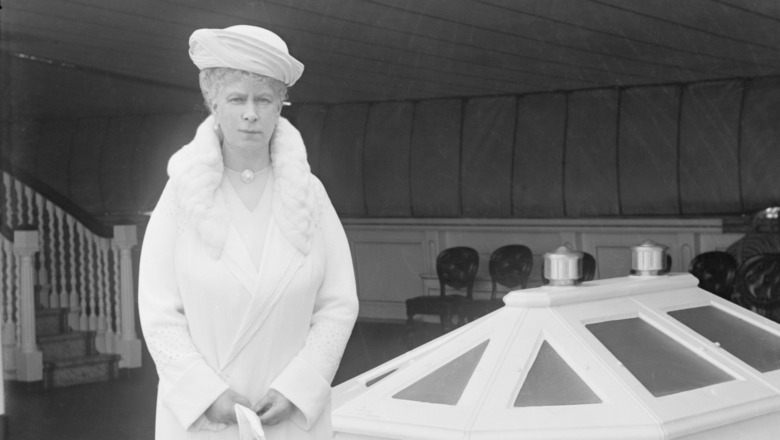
247	111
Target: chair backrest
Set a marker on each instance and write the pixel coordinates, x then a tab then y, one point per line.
588	267
716	271
758	282
457	268
510	266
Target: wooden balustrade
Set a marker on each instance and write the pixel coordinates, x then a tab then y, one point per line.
8	284
73	268
81	311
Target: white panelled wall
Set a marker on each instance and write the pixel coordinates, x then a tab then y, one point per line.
395	258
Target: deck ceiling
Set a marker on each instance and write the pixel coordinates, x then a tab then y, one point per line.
380	50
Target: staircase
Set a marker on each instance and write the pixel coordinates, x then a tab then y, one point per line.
70	357
67	306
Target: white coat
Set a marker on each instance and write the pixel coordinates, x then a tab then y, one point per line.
214	321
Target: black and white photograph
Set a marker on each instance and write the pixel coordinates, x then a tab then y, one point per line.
389	219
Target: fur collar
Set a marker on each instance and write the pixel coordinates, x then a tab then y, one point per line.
196	171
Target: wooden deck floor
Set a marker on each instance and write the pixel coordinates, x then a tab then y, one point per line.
124	409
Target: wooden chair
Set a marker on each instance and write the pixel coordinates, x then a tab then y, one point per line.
509	266
456	267
588	267
668	267
758	285
716	271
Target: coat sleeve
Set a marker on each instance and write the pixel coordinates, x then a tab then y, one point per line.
188	385
306	379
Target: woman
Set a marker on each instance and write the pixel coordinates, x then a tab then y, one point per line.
246	292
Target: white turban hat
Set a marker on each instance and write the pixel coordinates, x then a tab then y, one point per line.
249	48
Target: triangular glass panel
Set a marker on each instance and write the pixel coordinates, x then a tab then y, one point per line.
551	382
446	384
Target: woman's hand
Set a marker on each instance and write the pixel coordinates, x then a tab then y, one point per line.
273	408
222	410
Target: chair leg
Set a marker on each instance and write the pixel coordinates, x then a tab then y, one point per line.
410	331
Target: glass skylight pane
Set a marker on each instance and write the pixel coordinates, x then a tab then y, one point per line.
660	363
752	345
551	382
446	384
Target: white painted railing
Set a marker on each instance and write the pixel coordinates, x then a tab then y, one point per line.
9	287
75	268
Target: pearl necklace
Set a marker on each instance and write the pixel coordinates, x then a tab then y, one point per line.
247	176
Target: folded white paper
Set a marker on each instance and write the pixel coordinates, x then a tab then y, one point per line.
249	427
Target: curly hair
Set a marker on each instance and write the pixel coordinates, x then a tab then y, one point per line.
213	78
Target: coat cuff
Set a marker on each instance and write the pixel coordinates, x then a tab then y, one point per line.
305	388
193	393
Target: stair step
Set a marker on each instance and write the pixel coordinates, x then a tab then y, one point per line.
67	345
80	370
51	321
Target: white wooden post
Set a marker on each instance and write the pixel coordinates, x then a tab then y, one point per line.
54	297
9	325
29	359
99	312
114	314
29	198
83	323
73	295
128	344
7	196
91	323
43	273
63	258
19	203
2	384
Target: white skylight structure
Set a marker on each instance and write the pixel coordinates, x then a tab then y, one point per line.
640	357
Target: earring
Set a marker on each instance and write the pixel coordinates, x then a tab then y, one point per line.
216	126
